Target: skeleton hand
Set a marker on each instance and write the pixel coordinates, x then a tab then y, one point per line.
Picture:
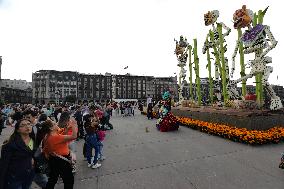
232	72
233	68
204	48
249	63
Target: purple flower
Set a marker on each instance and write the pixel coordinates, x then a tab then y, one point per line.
250	35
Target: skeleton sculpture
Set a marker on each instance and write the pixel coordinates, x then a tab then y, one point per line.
181	53
255	41
210	18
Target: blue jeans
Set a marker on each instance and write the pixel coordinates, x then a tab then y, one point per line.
41	179
92	142
100	144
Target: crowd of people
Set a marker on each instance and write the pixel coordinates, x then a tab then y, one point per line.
42	146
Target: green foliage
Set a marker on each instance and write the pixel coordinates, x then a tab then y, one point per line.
222	58
190	71
196	63
242	62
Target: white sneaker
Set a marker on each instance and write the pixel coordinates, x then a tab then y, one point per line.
90	164
97	165
102	158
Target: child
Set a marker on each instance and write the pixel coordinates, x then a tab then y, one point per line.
92	141
101	136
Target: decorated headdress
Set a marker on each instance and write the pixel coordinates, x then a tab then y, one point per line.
211	17
242	17
166	95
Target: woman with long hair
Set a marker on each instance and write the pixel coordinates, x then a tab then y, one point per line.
17	163
63	120
63	123
58	154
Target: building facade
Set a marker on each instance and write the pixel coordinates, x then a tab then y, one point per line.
95	87
53	86
56	86
129	87
159	85
14	91
16	84
10	95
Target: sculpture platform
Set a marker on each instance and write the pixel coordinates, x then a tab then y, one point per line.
241	118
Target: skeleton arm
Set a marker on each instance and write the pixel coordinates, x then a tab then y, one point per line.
226	28
205	45
271	39
252	49
234	57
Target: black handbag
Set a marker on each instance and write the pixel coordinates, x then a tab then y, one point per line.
69	160
41	162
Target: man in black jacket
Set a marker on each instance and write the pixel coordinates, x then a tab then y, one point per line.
2	120
79	118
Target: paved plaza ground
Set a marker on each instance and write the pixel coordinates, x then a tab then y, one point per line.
186	159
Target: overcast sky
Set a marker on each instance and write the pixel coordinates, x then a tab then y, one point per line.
98	36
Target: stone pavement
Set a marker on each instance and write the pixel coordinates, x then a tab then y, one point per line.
186	159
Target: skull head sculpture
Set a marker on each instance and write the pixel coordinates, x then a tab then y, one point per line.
211	17
242	17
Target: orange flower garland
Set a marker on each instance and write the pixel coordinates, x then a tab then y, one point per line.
272	135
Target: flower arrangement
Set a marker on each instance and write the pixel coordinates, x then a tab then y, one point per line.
243	135
272	135
167	123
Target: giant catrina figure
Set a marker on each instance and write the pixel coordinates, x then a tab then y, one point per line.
167	121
